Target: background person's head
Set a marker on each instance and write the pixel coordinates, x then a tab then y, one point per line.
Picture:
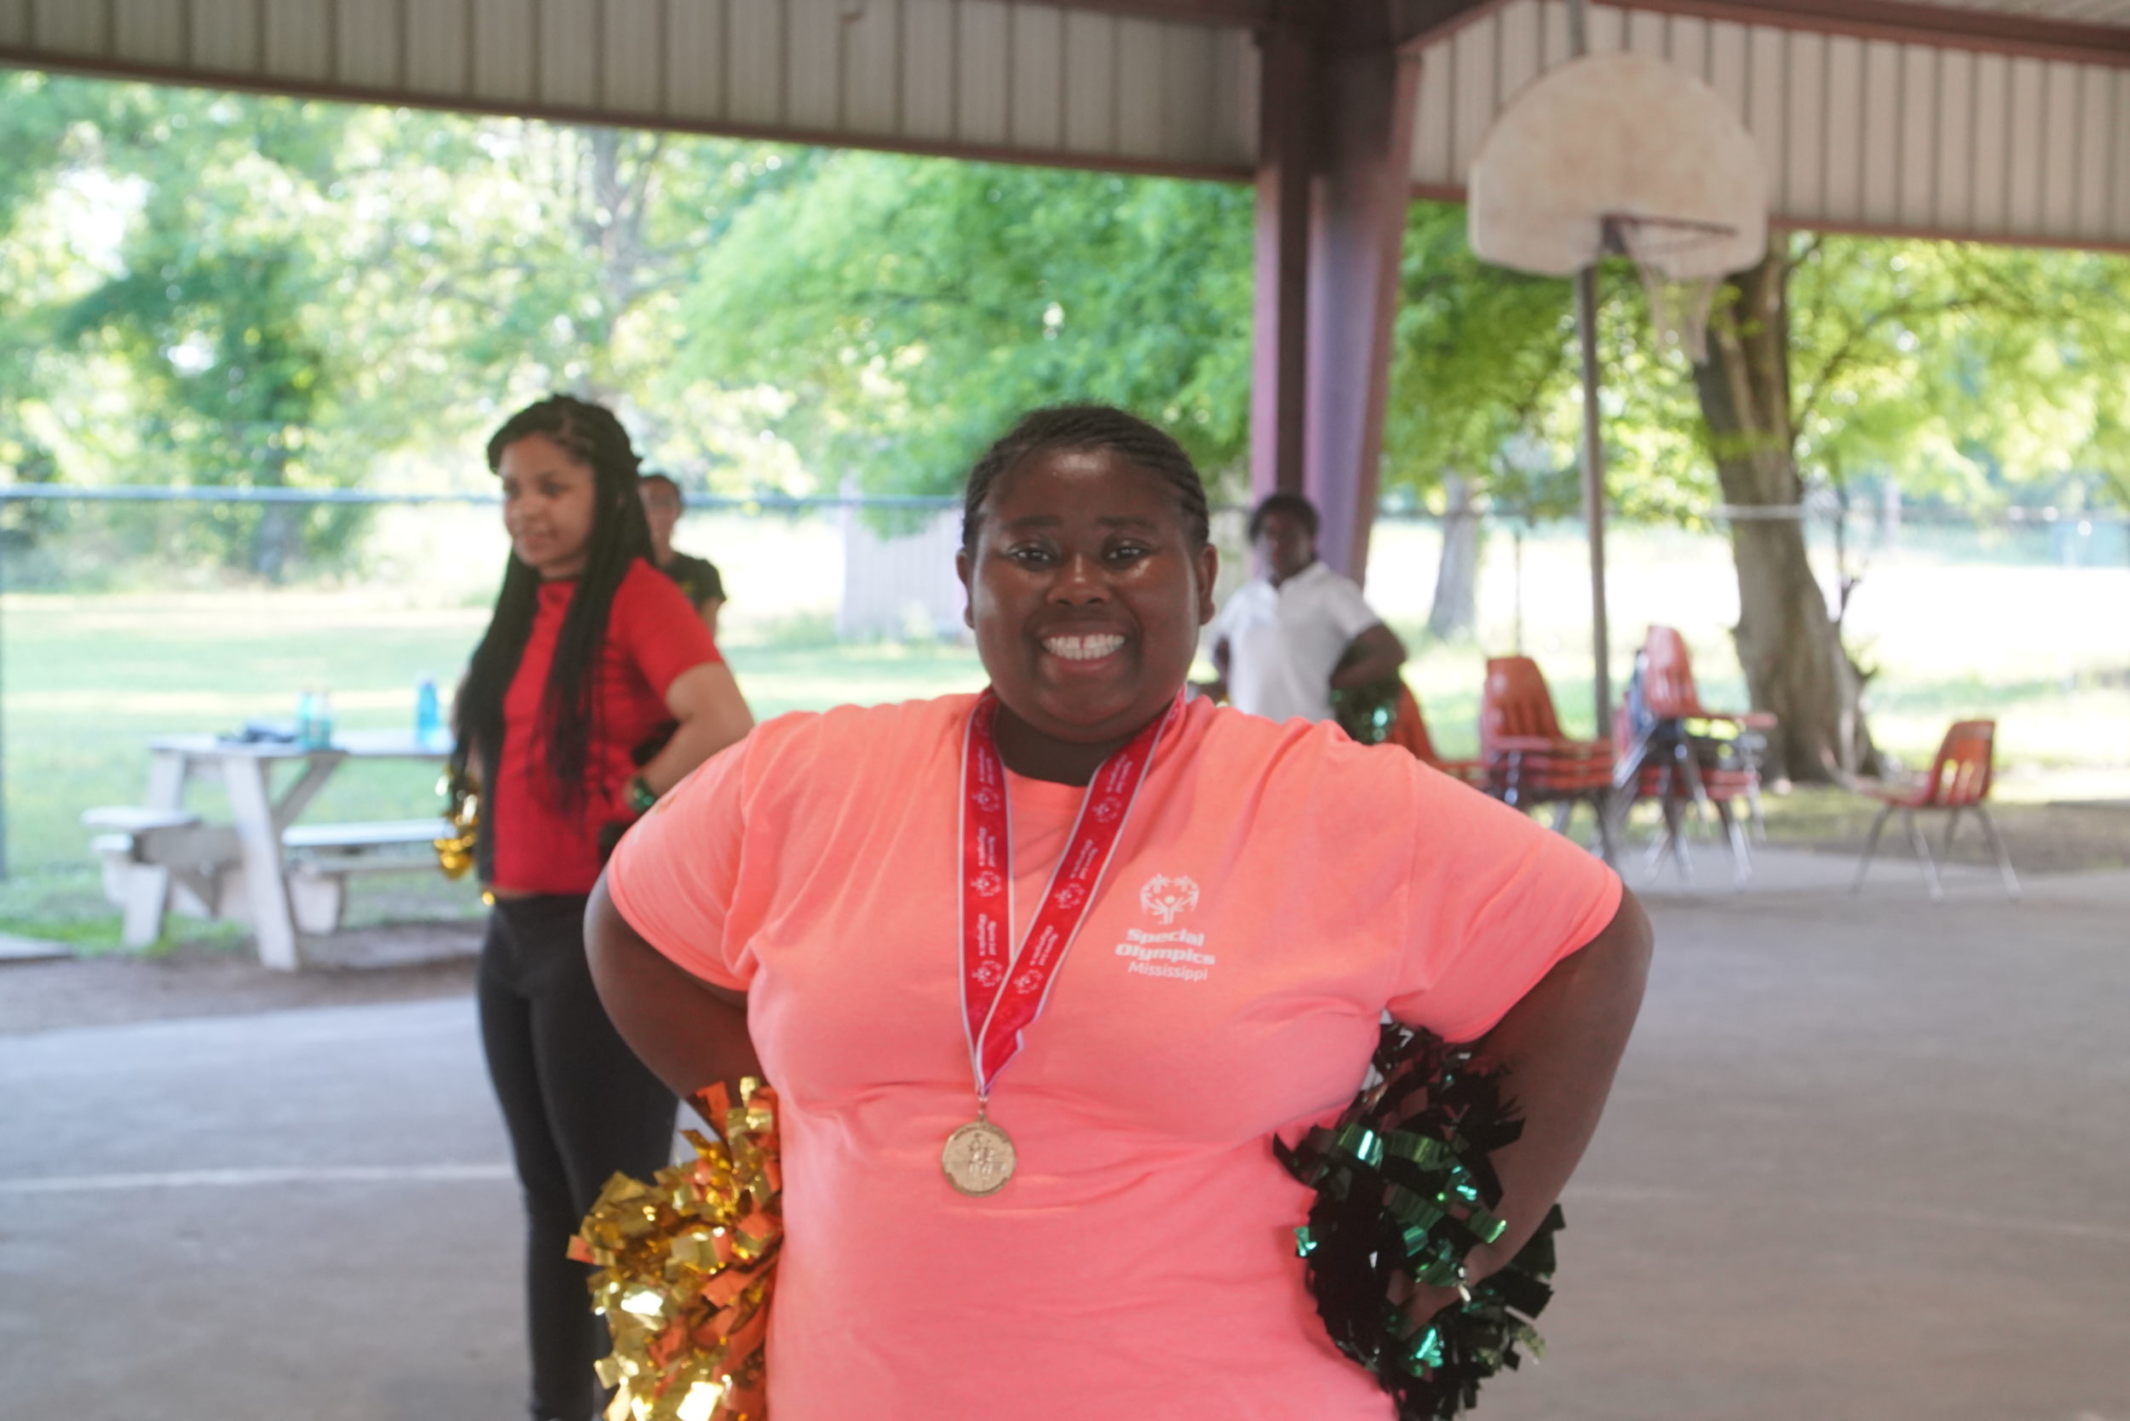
569	487
661	510
1086	557
1283	533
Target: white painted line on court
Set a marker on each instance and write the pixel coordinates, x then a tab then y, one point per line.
249	1178
1953	1218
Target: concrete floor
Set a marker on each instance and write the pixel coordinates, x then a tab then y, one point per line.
1869	1158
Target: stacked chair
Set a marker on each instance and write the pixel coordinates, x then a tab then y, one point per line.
1673	749
1526	759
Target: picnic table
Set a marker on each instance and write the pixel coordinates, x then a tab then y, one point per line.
261	866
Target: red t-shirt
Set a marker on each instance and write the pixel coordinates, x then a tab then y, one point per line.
652	636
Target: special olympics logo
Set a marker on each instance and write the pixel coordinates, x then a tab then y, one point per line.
1108	809
988	883
1166	897
988	973
1027	981
1071	895
987	800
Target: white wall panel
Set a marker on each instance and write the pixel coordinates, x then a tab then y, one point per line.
1916	125
1878	139
1472	53
2060	143
872	68
1090	79
813	64
1990	190
2096	140
1803	180
754	62
2119	165
2026	143
15	22
1689	44
1767	92
1036	66
438	32
930	43
983	82
1140	88
1520	33
147	31
1953	165
68	27
225	34
632	60
505	35
1842	187
568	41
299	39
1432	165
697	58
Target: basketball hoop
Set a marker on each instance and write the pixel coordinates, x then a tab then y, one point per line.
1622	153
1679	306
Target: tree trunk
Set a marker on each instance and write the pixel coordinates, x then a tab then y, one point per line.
1455	610
1788	644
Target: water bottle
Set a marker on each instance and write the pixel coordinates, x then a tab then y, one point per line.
321	722
307	720
428	715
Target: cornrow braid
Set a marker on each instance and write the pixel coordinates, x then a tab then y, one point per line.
1080	428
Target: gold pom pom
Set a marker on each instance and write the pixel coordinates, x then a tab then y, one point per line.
686	1265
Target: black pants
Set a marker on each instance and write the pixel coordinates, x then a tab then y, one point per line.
579	1106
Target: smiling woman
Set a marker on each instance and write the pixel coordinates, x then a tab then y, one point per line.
1015	1168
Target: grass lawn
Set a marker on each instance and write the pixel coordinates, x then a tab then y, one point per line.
88	679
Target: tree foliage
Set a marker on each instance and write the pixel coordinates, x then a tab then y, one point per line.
908	309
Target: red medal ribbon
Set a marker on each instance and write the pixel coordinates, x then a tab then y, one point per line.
1003	992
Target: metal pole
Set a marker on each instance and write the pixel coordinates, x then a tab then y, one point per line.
1593	442
1594	497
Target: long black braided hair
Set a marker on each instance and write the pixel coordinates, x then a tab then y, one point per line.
569	710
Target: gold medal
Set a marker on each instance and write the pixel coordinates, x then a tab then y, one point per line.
978	1158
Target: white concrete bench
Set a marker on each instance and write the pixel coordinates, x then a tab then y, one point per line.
321	857
152	856
158	859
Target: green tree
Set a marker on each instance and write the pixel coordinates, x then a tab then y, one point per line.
907	309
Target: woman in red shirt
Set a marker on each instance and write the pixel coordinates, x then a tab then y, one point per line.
595	688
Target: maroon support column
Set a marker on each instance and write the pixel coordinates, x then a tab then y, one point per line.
1335	164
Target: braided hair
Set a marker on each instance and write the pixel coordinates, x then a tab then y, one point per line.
590	434
1081	428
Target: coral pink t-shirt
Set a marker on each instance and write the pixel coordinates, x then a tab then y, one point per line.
1276	889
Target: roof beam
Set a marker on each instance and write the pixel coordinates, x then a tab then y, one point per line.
1204	12
1422	22
1983	31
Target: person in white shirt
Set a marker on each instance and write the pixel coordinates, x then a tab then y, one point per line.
1298	631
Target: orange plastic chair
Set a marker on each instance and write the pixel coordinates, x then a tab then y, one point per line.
1410	730
1526	758
1959	781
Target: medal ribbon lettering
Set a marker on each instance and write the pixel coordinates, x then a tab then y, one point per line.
1004	992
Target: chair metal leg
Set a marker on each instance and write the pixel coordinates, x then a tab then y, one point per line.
1922	848
1996	841
1675	836
1606	850
1871	846
1952	826
1561	814
1741	854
